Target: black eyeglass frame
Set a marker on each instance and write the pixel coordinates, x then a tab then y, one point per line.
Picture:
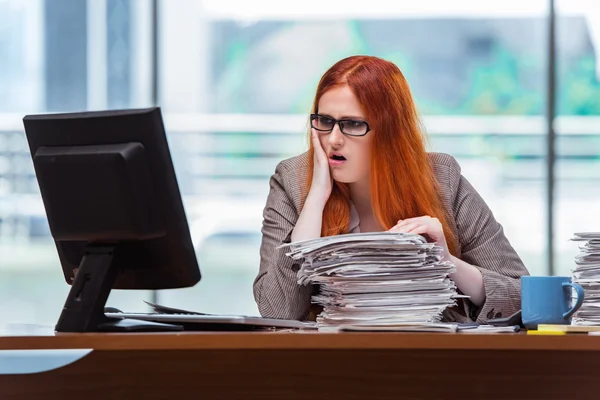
338	123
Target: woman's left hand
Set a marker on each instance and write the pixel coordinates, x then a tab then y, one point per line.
424	225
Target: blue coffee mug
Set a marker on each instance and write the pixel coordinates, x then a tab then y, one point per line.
548	300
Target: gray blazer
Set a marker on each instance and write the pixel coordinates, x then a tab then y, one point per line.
481	242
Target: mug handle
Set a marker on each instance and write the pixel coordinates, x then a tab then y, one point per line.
580	297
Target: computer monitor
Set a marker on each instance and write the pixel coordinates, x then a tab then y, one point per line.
114	210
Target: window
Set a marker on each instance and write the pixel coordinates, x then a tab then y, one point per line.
235	81
577	127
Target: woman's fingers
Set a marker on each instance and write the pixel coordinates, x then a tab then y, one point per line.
419	230
415	219
319	152
404	227
322	180
425	225
411	221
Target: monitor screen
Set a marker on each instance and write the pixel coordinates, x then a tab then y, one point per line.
112	201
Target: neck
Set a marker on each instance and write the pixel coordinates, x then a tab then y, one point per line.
360	194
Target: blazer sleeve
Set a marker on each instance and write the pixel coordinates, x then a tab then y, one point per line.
484	245
276	290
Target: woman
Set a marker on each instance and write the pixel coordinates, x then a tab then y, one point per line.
367	170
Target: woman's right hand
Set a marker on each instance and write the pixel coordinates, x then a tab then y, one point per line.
322	182
310	220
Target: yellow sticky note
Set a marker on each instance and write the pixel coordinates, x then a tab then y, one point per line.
546	332
553	327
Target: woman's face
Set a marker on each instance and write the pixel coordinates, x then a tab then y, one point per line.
349	156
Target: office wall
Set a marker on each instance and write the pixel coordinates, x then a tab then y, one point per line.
235	81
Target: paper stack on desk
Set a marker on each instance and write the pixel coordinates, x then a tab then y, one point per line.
377	281
587	274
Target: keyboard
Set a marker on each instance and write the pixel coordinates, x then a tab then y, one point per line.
197	321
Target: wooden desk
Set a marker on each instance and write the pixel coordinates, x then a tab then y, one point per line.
303	365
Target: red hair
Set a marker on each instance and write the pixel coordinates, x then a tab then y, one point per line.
411	190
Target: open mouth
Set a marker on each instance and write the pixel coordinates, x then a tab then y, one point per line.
337	157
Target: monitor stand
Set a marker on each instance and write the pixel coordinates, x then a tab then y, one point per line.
84	308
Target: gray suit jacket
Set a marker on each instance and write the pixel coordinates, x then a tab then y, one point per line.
481	241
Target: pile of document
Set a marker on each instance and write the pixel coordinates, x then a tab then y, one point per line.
377	281
587	274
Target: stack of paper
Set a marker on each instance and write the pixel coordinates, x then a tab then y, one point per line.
587	274
377	281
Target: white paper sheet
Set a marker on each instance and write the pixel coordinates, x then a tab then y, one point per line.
377	279
587	274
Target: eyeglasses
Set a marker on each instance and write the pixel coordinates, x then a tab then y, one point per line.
348	127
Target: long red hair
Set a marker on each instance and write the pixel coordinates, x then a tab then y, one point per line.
401	177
